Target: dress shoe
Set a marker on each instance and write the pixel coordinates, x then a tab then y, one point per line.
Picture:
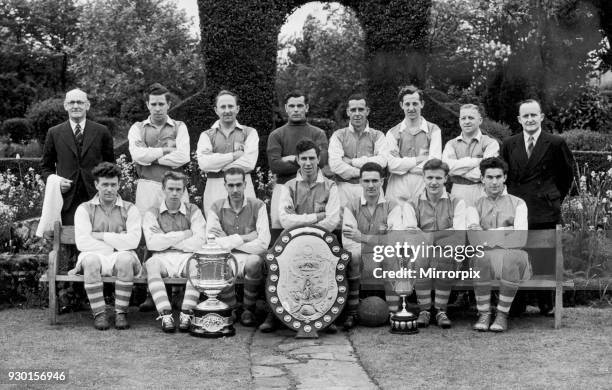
121	321
350	321
269	325
331	329
101	322
147	305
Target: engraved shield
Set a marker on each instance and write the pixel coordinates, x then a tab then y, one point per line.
306	285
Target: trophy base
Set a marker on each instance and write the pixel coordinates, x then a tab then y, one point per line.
404	323
212	323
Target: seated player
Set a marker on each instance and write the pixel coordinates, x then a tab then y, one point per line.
310	198
240	224
365	220
173	231
107	230
443	216
503	260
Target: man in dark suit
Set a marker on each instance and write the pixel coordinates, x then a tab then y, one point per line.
540	172
72	149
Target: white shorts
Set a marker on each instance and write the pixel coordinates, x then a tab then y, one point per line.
470	193
108	262
274	204
149	194
405	188
172	263
499	256
215	190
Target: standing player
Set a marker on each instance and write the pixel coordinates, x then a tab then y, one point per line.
409	145
227	144
282	144
352	147
464	154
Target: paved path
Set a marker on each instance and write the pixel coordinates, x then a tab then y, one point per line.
279	361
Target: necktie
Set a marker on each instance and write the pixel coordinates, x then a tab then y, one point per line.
530	145
78	135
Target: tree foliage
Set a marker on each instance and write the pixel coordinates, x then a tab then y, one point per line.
35	37
326	61
124	46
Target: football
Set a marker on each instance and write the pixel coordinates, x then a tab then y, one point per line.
373	311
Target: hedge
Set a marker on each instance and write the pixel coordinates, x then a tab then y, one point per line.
579	139
239	44
19	129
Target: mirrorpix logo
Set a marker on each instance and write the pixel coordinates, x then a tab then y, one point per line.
405	255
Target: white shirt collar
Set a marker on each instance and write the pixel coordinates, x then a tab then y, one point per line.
118	202
422	126
381	199
227	205
504	192
182	208
81	123
298	176
217	125
535	137
366	130
169	121
477	137
423	195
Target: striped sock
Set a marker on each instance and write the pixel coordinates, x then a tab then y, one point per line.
442	295
123	292
483	297
424	298
352	304
251	287
506	296
159	294
228	296
96	297
393	301
191	297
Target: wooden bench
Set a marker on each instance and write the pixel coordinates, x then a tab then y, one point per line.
65	235
555	281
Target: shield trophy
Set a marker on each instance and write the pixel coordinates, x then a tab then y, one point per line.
210	271
306	287
403	321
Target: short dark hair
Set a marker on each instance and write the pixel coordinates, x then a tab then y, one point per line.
157	89
171	175
526	101
435	164
409	90
296	93
234	171
493	163
357	96
106	170
372	167
304	145
226	92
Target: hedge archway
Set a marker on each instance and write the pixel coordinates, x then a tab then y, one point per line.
239	42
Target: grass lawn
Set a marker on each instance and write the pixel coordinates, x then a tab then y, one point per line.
530	355
138	358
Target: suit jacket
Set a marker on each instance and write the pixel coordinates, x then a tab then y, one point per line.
61	156
542	180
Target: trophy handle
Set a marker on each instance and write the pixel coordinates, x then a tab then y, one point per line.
235	262
188	272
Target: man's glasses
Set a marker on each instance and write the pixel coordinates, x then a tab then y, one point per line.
76	102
